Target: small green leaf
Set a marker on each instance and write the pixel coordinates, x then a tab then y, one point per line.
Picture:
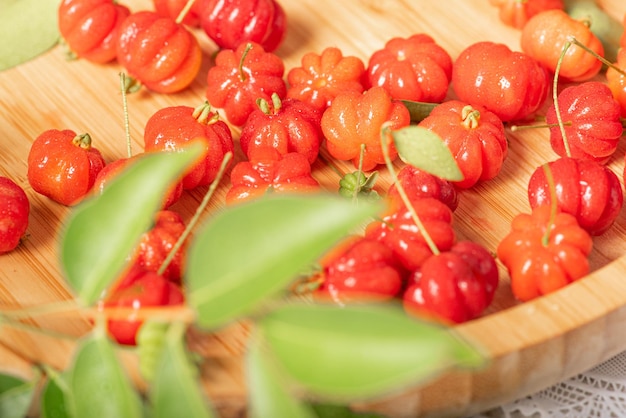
418	110
251	251
150	341
268	396
27	29
358	352
102	231
175	391
53	404
424	149
16	395
98	385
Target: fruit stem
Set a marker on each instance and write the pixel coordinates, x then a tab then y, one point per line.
123	87
359	174
597	56
470	117
202	112
385	138
242	75
555	99
545	240
543	125
83	141
196	216
184	11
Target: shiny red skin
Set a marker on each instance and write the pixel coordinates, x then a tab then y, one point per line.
418	183
357	118
236	81
230	23
14	213
158	52
455	286
545	35
516	13
173	8
398	231
137	289
474	135
616	80
536	269
269	171
288	125
414	68
90	27
63	165
585	189
511	84
111	170
321	77
156	244
172	128
360	269
591	118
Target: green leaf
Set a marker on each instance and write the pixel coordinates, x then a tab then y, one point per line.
418	110
268	396
341	411
98	385
16	395
175	391
424	149
357	352
102	231
53	404
27	29
251	251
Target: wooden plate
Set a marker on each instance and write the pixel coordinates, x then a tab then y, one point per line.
531	345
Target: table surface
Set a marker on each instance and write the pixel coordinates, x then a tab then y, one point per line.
532	346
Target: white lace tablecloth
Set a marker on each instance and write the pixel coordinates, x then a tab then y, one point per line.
598	393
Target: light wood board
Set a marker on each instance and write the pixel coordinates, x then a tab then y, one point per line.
531	346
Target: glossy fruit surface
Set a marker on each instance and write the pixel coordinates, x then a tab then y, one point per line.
414	68
544	252
14	214
158	52
90	27
354	119
474	135
419	183
230	23
321	77
591	121
511	84
288	125
545	36
242	76
174	127
63	165
453	286
516	13
585	189
617	81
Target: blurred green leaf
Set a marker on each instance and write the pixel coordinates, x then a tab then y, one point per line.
251	251
175	391
424	149
16	395
418	110
27	29
357	352
53	397
269	397
98	385
102	231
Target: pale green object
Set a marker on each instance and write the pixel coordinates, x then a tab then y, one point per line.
28	28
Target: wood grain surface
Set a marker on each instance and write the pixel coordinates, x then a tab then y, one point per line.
530	346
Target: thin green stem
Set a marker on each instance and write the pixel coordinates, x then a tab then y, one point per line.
184	11
124	87
196	215
359	173
385	133
555	99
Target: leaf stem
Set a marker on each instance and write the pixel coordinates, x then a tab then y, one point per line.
555	99
184	11
385	134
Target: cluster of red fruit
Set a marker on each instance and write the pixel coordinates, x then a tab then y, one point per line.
342	103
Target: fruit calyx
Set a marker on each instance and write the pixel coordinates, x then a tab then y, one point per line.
83	141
